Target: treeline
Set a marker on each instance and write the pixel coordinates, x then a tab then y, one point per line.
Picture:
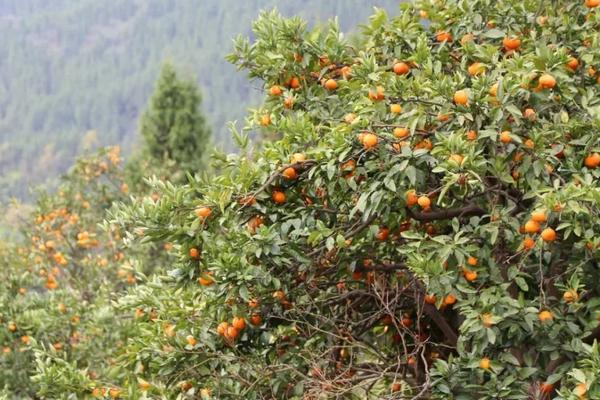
75	75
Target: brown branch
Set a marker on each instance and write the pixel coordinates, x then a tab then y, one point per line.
467	211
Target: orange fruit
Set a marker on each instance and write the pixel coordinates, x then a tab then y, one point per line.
369	141
256	319
570	296
461	97
580	390
467	37
546	388
411	198
331	84
395	108
424	202
443	36
194	253
297	158
547	81
192	341
239	323
539	216
232	333
486	319
222	328
471	135
294	83
592	160
203	212
430	299
545	316
573	63
376	95
278	197
548	235
493	90
255	222
206	279
505	137
529	113
275	90
349	118
472	261
532	226
511	43
449	300
401	68
469	275
382	234
346	72
476	68
485	363
396	387
289	173
592	3
288	103
401	132
265	120
457	158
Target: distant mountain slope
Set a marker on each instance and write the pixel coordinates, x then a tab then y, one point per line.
76	74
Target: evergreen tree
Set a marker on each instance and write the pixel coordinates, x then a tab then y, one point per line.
173	127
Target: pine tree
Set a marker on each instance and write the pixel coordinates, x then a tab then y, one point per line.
173	127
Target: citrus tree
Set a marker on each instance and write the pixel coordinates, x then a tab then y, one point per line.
60	333
425	223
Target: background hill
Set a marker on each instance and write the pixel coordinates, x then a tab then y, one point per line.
76	75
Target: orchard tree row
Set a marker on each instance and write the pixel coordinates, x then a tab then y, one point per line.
422	221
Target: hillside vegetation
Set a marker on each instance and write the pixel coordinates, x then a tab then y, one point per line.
75	75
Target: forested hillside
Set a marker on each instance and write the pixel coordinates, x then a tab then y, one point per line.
76	75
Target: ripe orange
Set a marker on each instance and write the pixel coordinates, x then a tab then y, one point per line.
485	363
401	68
486	319
256	319
395	108
382	234
206	279
472	261
278	197
265	120
275	90
377	95
471	135
476	68
222	328
592	3
548	235
573	63
294	83
592	160
493	90
401	132
194	253
467	37
443	36
346	71
192	341
469	275
545	315
331	84
290	173
539	216
547	81
297	158
232	333
369	141
547	388
288	103
449	300
396	387
529	113
457	158
505	137
203	212
411	198
430	299
114	393
532	226
511	43
424	202
461	97
581	390
570	296
255	222
239	323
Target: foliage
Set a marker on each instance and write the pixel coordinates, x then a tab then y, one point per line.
173	126
77	75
